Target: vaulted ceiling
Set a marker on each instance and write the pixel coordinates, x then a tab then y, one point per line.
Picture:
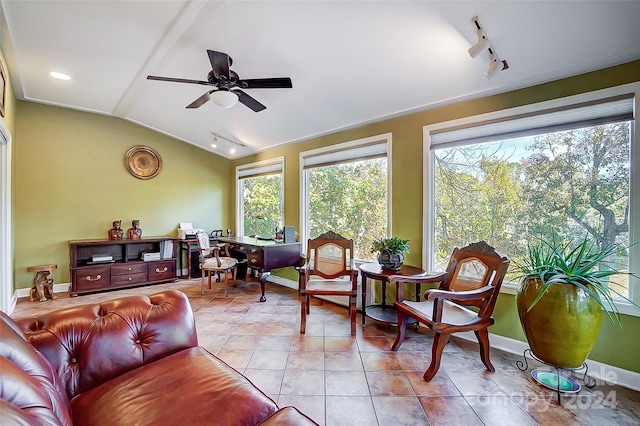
351	62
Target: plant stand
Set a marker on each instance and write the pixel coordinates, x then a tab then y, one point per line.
588	381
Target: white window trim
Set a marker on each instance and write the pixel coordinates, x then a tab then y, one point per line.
241	171
634	190
6	249
385	138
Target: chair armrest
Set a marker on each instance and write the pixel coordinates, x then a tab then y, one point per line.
460	296
433	277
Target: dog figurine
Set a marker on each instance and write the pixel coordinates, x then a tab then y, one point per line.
42	287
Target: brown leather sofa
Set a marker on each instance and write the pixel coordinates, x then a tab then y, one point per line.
129	361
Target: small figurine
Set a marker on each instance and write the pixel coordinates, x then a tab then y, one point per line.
116	232
42	287
134	233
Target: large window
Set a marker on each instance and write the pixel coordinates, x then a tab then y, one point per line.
551	170
346	190
260	198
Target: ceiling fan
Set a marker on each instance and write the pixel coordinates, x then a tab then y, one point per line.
228	84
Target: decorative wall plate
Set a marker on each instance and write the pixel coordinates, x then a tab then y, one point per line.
143	162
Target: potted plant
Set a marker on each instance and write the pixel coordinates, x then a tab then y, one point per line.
390	251
562	293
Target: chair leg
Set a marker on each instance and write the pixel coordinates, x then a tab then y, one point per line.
439	342
226	292
202	282
402	327
483	340
352	309
303	313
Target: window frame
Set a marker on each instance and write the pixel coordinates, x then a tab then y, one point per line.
249	170
336	153
428	252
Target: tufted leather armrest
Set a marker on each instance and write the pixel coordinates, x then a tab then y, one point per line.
90	344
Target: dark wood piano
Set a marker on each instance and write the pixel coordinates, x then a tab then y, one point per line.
263	255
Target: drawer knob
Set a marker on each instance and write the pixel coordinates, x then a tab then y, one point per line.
88	278
253	250
130	278
254	260
163	270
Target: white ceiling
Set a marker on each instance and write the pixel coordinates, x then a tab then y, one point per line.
351	62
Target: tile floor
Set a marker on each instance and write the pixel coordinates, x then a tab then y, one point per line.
339	379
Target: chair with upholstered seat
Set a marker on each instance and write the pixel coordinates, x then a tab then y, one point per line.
212	263
474	276
329	270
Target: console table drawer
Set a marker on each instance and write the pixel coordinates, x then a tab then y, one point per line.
121	280
162	270
127	269
92	278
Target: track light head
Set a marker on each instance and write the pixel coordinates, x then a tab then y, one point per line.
482	45
495	66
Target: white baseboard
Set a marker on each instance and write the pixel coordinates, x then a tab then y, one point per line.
57	288
597	370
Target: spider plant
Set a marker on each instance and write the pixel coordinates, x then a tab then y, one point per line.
585	265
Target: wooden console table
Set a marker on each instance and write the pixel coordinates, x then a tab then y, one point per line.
263	255
125	267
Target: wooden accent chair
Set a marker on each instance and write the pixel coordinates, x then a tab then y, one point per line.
474	276
329	270
212	263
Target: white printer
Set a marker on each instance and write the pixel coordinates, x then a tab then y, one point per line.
186	231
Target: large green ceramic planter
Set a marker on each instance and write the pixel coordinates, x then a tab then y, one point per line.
563	326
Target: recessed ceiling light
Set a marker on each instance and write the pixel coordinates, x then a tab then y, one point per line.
60	75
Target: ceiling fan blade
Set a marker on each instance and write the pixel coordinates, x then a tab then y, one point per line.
220	63
179	80
267	83
201	100
249	101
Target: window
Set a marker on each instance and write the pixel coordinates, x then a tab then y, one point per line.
260	198
345	189
562	167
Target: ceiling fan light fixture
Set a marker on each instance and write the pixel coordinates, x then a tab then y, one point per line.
224	98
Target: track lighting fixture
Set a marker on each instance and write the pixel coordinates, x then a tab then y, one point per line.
232	144
495	64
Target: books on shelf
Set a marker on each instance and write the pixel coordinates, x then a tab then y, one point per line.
166	249
101	258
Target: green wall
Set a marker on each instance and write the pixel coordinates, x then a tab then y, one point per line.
614	347
70	182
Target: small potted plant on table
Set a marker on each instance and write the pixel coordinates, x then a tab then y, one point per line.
390	252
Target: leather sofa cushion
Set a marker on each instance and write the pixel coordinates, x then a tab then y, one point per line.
89	344
31	392
191	387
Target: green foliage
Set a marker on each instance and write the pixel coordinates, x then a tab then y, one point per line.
350	199
584	265
393	244
569	183
263	208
